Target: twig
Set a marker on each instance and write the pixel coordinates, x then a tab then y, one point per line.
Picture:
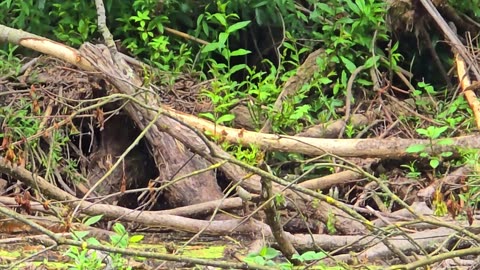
437	258
186	36
349	96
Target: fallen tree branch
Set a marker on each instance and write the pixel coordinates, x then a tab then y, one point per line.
148	218
60	240
375	148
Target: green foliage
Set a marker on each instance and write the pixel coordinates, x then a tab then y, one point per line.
121	239
9	64
269	257
77	21
19	122
266	257
413	172
249	155
223	99
84	258
431	133
471	7
140	26
27	15
309	256
471	158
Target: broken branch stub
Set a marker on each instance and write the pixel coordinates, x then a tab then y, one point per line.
170	141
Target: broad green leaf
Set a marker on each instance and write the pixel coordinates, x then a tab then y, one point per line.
92	220
222	39
261	3
353	7
93	241
236	68
237	26
446	154
348	64
225	118
446	141
312	255
79	235
424	132
324	80
208	115
415	148
220	18
434	163
240	52
271	253
136	238
119	228
210	47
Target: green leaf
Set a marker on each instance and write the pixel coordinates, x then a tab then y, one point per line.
364	82
222	39
446	154
324	7
220	18
92	220
434	163
119	228
348	64
370	61
260	4
136	238
225	118
312	255
298	257
447	141
237	26
324	80
436	131
208	115
93	241
236	68
424	132
353	7
79	235
210	47
240	52
424	154
270	253
415	148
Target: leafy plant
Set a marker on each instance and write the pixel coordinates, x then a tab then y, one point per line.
84	258
266	257
121	239
9	64
431	133
309	256
222	92
413	172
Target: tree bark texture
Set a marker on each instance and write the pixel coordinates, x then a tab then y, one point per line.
171	155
